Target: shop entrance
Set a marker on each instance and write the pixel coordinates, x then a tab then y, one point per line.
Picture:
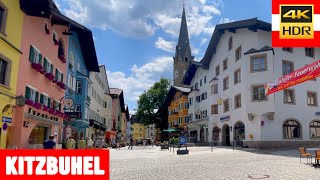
226	135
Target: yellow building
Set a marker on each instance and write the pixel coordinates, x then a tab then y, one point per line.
178	105
11	20
138	131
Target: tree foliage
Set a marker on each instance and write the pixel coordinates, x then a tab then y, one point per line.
151	100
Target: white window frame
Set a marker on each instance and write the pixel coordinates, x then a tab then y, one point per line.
49	63
59	78
54	33
36	50
33	93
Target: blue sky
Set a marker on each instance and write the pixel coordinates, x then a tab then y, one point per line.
136	39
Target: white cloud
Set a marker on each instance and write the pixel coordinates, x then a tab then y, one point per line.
225	20
209	30
168	46
203	41
141	18
141	78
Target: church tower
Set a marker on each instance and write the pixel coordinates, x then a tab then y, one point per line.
183	55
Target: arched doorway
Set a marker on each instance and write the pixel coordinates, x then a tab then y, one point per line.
226	135
239	130
215	134
202	134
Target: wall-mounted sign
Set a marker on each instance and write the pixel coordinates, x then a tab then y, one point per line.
225	118
68	102
5	126
317	113
6	120
26	124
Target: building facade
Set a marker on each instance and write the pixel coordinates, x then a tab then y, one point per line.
139	131
78	69
150	131
98	106
238	62
44	63
11	20
117	110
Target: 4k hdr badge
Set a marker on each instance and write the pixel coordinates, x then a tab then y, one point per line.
295	23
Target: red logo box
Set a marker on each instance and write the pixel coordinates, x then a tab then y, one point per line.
295	23
54	164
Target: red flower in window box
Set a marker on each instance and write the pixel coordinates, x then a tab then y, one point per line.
45	108
54	81
62	57
61	85
42	71
51	110
37	67
29	102
49	76
37	105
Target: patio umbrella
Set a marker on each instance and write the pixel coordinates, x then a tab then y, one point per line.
170	130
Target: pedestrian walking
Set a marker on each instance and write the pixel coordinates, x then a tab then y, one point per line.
130	143
71	143
152	142
49	144
82	143
144	143
90	143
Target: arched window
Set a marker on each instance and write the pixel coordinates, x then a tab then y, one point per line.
61	51
215	134
315	129
291	129
230	44
239	130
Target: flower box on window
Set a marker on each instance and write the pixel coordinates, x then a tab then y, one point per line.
54	81
61	85
42	71
51	110
45	108
37	66
29	102
62	57
49	76
56	42
37	105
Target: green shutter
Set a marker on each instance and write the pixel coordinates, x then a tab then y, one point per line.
49	102
40	58
27	96
59	107
56	75
61	77
31	54
37	97
41	99
45	64
51	69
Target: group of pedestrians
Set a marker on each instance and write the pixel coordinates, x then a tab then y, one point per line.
69	144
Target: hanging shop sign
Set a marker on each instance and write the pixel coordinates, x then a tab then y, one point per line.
6	120
225	118
299	76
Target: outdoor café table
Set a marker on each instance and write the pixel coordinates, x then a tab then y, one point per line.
312	151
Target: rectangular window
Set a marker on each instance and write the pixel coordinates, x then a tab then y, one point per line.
59	76
196	86
214	109
225	64
180	106
200	82
186	105
258	63
54	37
31	94
47	65
204	114
288	49
186	119
226	83
237	76
35	55
309	52
238	53
226	105
288	96
44	100
3	19
78	108
312	99
191	101
3	71
205	79
214	89
217	70
287	67
79	87
198	98
237	101
258	93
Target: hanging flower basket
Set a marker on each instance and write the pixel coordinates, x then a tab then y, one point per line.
37	105
62	57
29	102
37	67
45	108
49	76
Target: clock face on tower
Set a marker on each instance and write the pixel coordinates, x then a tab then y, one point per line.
68	103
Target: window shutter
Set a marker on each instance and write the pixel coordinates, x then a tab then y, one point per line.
45	64
41	99
74	84
59	107
37	97
27	96
31	54
49	102
51	70
40	58
61	77
56	75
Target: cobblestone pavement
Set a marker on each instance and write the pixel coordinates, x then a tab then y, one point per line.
201	163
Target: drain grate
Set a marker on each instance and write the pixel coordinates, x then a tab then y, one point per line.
258	176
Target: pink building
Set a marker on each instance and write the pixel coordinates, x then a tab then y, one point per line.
42	76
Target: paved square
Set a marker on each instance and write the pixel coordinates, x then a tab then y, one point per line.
201	163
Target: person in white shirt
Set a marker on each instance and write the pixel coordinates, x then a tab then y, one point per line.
90	143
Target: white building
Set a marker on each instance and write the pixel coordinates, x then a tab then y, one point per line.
150	131
238	62
99	108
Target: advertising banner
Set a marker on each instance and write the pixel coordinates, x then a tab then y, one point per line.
54	164
301	75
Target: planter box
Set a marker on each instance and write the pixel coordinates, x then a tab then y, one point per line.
45	108
49	76
37	67
29	102
62	57
37	105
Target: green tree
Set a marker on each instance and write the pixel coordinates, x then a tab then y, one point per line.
151	100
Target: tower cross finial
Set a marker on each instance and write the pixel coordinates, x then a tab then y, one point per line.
183	3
